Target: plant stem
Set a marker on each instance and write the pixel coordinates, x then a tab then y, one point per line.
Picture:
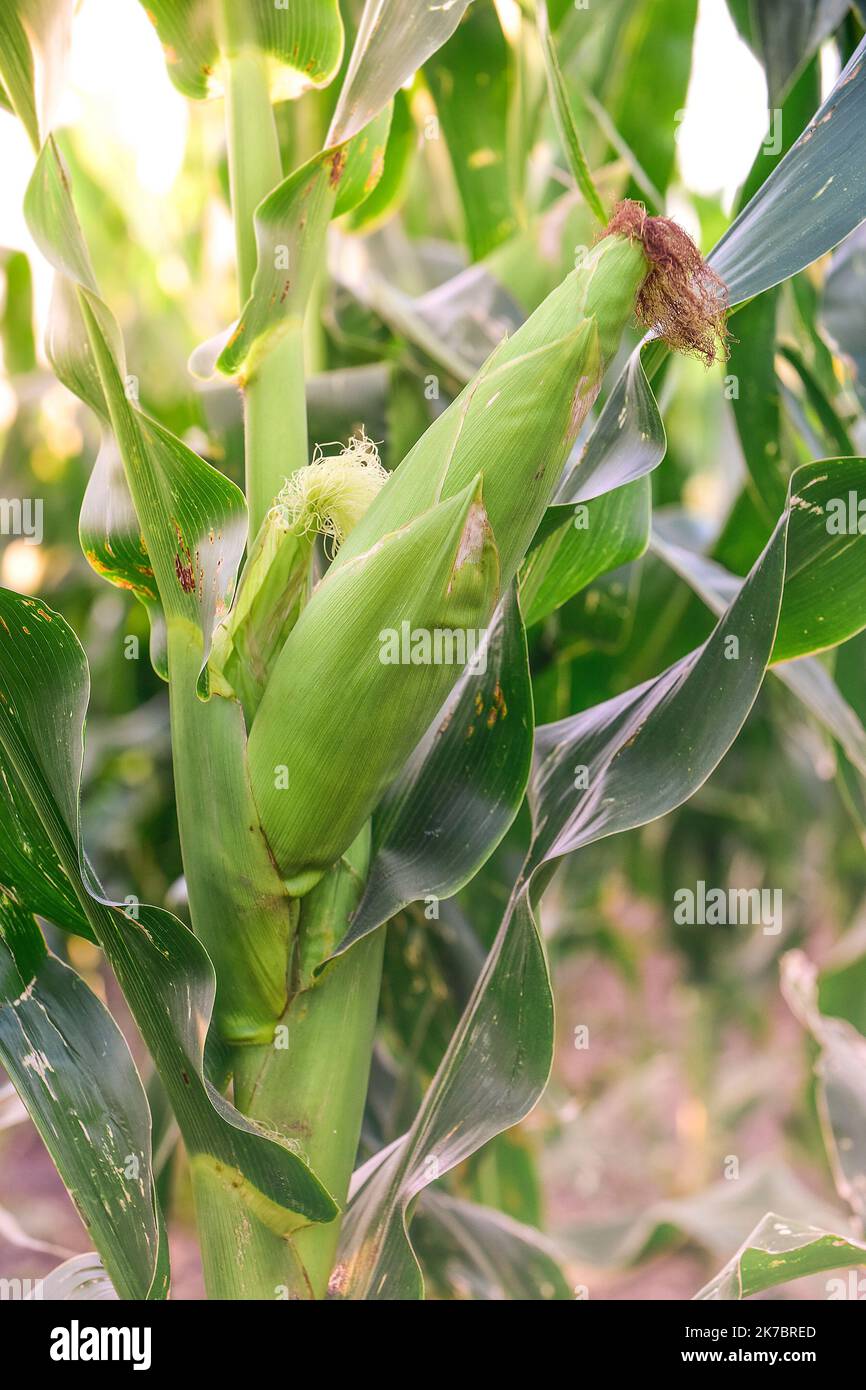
274	395
309	1082
237	901
276	424
311	1086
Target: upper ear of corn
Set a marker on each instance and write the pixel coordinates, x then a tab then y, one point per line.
517	420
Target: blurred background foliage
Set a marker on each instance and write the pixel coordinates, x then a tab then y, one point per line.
691	1110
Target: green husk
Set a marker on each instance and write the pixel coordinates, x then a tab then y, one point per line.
517	420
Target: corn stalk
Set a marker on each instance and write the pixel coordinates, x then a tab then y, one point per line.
351	706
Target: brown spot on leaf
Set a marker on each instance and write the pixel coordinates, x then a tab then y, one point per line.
338	1281
183	564
582	401
185	576
499	701
338	165
376	169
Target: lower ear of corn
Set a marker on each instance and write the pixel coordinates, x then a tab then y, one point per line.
338	717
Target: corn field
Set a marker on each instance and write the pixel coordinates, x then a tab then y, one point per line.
432	641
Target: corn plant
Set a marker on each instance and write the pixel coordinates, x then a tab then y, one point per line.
352	689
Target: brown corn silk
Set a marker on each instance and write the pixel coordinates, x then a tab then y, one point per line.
682	299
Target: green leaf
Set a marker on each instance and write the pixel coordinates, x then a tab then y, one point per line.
755	407
164	972
654	56
787	35
625	762
302	41
30	870
471	71
852	775
627	440
565	121
474	1252
391	189
113	545
825	581
395	37
600	617
459	791
777	1251
811	200
16	317
841	1076
836	438
809	680
25	26
842	306
431	959
192	519
290	225
595	538
16	70
509	1021
72	1068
